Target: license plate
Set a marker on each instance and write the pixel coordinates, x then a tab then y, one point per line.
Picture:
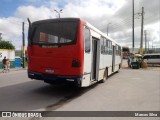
49	70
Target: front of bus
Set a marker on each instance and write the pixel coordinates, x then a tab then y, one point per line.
55	50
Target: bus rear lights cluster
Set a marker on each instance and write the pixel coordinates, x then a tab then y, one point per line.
76	63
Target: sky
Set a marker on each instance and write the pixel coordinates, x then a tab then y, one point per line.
116	14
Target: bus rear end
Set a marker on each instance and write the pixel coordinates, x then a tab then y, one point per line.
55	51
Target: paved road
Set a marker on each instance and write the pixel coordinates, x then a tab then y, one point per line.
17	92
128	90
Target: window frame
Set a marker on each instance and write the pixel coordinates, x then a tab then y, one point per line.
87	28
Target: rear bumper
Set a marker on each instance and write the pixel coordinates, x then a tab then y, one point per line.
55	79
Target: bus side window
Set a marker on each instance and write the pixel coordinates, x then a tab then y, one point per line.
110	48
119	50
105	46
102	45
116	49
87	40
146	57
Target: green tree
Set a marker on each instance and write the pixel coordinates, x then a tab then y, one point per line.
6	45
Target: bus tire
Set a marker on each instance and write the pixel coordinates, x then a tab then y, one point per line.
105	76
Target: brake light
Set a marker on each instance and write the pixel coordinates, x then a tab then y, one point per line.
76	63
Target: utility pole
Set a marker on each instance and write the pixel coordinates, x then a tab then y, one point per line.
141	45
152	44
148	46
0	36
23	45
133	26
145	33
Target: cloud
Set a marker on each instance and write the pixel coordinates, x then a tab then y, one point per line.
123	22
34	13
11	30
90	9
97	12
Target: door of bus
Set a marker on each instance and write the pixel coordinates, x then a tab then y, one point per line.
95	58
113	58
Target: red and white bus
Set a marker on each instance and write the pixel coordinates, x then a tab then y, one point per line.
70	50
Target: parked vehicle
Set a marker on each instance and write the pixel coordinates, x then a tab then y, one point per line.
152	58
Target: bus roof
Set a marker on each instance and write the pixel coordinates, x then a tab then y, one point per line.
56	20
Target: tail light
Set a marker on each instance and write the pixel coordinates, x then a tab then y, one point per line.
76	63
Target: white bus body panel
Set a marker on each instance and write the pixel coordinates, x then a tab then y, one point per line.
86	80
105	61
